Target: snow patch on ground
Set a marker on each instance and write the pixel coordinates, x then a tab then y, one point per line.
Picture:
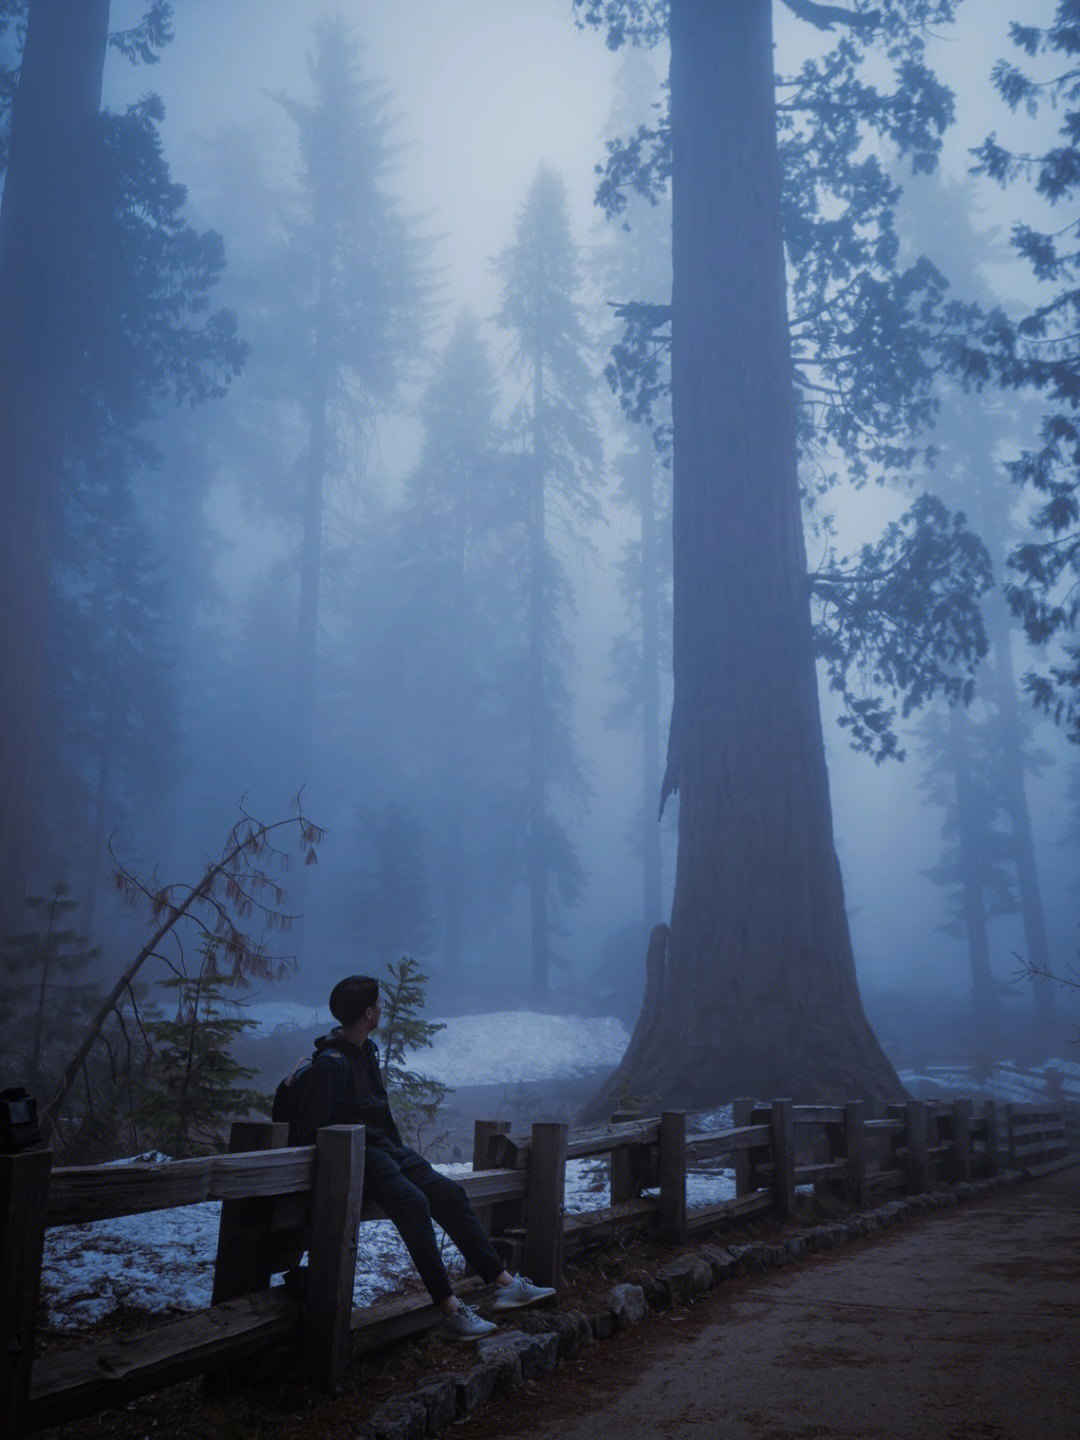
1005	1083
502	1048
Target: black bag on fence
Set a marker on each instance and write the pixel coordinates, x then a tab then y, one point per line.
19	1128
290	1091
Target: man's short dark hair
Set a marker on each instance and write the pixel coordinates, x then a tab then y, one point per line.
351	997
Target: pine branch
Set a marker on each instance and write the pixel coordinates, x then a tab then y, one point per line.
824	17
246	839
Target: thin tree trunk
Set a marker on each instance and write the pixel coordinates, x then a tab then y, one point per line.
42	224
454	863
1016	804
652	854
110	736
538	860
983	1002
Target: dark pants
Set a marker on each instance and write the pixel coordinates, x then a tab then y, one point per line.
412	1194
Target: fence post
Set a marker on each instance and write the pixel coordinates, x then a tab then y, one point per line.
1006	1148
335	1216
782	1125
543	1249
993	1155
242	1264
962	1135
915	1120
623	1184
741	1111
491	1216
24	1190
855	1152
673	1176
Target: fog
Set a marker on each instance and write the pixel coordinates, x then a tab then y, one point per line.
484	97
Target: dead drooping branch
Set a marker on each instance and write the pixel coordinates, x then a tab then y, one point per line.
230	881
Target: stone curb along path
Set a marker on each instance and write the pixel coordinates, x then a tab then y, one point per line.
512	1357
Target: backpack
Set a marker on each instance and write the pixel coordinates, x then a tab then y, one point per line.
290	1091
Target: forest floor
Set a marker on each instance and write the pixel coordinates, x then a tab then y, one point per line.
956	1323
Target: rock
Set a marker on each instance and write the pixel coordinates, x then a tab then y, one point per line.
566	1327
439	1398
685	1277
796	1248
403	1419
602	1325
519	1356
627	1303
657	1294
720	1261
474	1388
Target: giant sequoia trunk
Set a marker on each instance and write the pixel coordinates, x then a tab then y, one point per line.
758	994
42	231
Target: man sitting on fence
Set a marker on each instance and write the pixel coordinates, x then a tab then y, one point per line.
397	1179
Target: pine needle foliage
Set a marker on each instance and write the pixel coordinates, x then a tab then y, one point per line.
417	1097
196	1087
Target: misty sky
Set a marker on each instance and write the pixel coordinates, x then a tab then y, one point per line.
486	91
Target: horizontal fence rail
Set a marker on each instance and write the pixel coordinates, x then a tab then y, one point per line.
278	1201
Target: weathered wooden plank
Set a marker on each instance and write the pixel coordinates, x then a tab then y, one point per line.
491	1185
824	1170
243	1261
24	1183
101	1192
818	1114
1048	1148
783	1153
918	1160
742	1108
1026	1114
483	1132
597	1226
542	1253
855	1151
708	1217
887	1179
335	1216
77	1383
740	1137
673	1176
623	1184
885	1127
962	1134
604	1138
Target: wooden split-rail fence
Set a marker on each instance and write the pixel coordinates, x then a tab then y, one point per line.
277	1199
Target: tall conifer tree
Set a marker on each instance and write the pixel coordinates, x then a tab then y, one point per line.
559	474
758	992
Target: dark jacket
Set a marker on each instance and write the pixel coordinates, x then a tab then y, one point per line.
352	1094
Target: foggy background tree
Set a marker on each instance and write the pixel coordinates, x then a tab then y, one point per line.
634	260
456	645
362	289
559	474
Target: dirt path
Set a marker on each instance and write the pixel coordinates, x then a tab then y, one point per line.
959	1325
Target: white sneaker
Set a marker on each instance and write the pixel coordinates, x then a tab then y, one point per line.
518	1293
465	1324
